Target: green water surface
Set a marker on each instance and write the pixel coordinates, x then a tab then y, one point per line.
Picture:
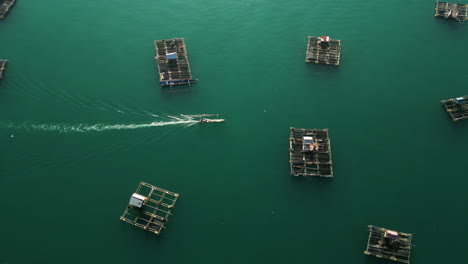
399	162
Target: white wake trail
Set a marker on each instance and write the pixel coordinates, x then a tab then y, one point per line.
83	128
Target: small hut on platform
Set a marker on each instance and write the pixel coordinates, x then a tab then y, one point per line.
458	12
323	50
456	107
149	207
310	153
389	244
173	63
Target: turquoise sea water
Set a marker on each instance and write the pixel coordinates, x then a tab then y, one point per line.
81	88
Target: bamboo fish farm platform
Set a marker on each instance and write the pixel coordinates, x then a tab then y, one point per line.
385	243
149	207
457	108
5	6
458	12
309	152
323	50
2	67
173	64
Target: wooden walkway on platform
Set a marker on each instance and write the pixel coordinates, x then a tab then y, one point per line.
156	207
2	67
458	12
310	153
457	108
173	63
389	244
5	6
323	50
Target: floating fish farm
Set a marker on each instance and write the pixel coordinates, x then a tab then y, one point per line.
457	108
149	208
5	6
389	244
458	12
310	153
323	50
173	64
2	67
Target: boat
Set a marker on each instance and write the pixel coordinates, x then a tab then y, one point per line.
207	120
178	82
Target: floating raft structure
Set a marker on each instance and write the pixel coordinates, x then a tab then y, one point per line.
5	6
173	64
149	207
323	50
457	108
458	12
310	153
389	244
2	67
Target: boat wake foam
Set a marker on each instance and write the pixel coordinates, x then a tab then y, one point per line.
83	128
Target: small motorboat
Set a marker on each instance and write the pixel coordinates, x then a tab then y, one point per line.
207	120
